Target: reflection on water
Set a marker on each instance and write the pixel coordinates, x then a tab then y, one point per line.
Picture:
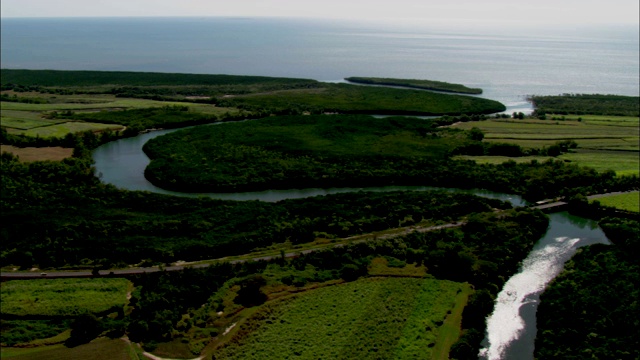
511	328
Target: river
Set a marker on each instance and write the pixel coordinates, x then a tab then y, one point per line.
511	329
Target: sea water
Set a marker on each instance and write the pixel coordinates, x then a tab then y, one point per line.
509	62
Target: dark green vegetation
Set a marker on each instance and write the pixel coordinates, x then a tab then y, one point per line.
260	95
345	98
591	310
595	104
58	215
141	83
416	84
97	225
348	151
296	151
458	255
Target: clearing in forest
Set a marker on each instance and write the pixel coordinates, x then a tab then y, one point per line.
400	318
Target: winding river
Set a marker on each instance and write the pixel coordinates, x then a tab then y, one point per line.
511	328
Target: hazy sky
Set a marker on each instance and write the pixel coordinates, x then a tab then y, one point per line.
507	11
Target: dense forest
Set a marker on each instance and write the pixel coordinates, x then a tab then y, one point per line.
594	104
416	84
347	151
591	309
98	225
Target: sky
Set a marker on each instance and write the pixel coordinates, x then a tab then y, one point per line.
490	11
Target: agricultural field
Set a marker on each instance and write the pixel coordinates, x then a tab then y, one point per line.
62	297
628	201
604	142
100	349
43	119
30	154
401	318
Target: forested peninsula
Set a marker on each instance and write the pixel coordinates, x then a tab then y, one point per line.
416	84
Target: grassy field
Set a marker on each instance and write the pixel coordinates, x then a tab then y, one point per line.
62	297
627	201
60	130
100	349
89	103
604	142
370	318
35	119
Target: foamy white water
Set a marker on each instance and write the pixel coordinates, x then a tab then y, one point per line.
511	328
539	268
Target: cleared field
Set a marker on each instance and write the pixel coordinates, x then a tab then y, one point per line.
382	318
100	349
96	102
623	163
26	124
628	201
62	297
604	142
61	129
38	154
532	133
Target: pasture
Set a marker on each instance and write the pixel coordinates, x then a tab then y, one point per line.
62	297
370	318
40	120
604	142
628	201
100	349
30	154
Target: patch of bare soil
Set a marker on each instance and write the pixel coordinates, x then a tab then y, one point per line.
31	154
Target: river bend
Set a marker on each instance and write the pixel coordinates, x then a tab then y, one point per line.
511	328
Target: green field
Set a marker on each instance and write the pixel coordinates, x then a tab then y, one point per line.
36	120
628	201
62	297
61	129
604	142
100	349
88	103
109	79
385	318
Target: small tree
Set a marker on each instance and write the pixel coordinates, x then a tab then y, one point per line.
250	293
475	134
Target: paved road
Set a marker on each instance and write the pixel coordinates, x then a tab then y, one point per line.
24	275
359	238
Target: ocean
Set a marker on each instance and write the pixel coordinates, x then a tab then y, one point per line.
508	62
